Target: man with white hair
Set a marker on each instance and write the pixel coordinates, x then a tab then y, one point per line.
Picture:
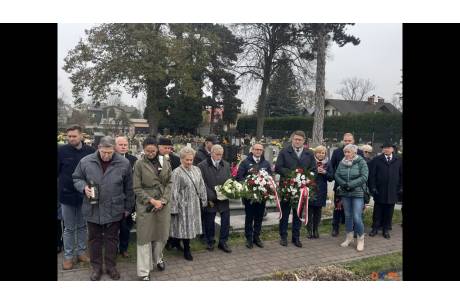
121	147
216	171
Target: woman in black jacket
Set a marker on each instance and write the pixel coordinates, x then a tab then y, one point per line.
315	206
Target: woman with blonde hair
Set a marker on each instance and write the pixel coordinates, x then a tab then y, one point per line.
316	204
188	190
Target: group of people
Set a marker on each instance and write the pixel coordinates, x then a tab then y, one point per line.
175	198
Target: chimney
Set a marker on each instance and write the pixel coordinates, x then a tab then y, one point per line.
372	99
381	99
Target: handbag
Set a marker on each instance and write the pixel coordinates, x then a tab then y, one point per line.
196	190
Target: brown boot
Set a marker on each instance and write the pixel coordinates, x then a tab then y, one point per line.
83	258
67	264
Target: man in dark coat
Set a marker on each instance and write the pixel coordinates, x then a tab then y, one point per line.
165	149
112	176
121	147
216	171
203	153
254	210
385	182
338	215
70	199
290	158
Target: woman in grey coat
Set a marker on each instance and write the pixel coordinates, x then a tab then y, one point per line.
187	190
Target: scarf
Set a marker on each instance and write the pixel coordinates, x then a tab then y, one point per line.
349	162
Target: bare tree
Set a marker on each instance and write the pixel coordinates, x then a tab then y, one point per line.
355	89
263	45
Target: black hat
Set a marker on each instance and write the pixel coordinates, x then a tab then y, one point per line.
212	139
164	141
388	144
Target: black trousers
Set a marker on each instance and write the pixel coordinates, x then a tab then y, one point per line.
103	236
286	210
253	220
314	217
210	226
382	216
126	225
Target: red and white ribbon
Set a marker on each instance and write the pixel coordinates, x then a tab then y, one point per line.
303	200
277	200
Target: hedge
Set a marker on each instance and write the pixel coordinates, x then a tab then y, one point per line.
383	126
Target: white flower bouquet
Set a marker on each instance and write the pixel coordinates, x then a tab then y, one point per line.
231	189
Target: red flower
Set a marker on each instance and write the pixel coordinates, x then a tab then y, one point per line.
251	182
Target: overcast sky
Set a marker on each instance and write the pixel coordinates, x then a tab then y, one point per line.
378	57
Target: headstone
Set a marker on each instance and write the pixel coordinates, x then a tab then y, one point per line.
268	153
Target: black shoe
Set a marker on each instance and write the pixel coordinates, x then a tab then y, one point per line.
386	235
297	243
96	275
114	274
335	232
188	256
249	244
161	266
373	233
315	233
224	247
210	247
310	235
283	242
258	242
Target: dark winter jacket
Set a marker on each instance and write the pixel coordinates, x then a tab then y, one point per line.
338	156
385	181
248	163
68	158
321	191
213	176
132	159
201	155
116	193
288	161
355	176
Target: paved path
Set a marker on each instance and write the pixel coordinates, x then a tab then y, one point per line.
246	264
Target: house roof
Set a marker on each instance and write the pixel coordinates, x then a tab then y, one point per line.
345	107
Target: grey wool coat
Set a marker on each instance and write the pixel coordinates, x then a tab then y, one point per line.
115	186
185	202
152	226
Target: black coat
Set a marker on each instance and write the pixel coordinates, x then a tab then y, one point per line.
338	156
386	178
287	161
321	191
215	176
68	158
132	159
201	155
174	160
248	163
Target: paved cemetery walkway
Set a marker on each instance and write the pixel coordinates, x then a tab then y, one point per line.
246	264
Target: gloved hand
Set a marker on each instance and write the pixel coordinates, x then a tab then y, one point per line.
345	186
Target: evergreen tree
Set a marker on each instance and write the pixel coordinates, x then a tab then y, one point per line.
283	97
